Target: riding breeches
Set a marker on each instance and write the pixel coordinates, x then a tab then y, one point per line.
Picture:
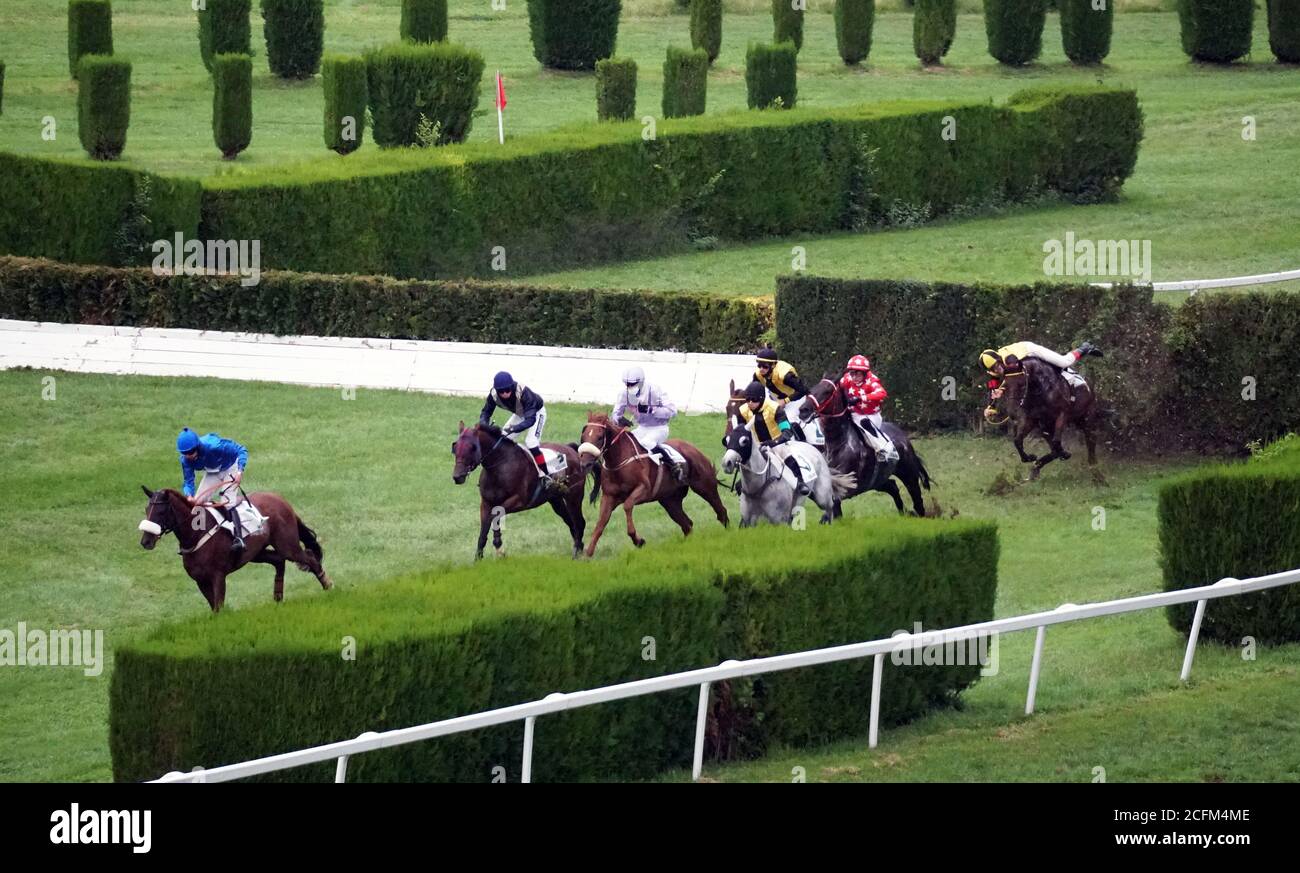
532	436
212	485
878	440
651	436
1051	357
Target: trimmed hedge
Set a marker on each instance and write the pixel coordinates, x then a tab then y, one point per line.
1284	30
103	105
344	82
407	81
1235	521
1086	30
424	20
934	25
706	27
615	89
573	34
853	23
232	103
770	75
1015	29
686	79
367	306
787	23
2	87
457	641
90	30
295	36
1216	31
225	28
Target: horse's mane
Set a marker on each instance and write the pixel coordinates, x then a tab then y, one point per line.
490	429
602	418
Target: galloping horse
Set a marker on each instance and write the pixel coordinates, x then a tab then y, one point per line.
205	547
847	449
1039	400
767	489
509	482
630	477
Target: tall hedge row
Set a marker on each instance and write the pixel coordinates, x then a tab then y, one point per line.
344	83
706	27
1015	29
771	75
1284	30
90	30
1086	30
686	80
424	20
615	89
458	641
573	34
411	82
295	36
103	105
1217	31
787	23
225	28
1235	521
367	306
934	25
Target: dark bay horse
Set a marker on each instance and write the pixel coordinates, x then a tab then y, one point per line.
509	482
1038	400
847	449
205	548
631	477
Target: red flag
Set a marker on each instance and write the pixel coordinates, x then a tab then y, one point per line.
501	92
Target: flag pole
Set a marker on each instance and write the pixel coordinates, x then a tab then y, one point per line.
501	124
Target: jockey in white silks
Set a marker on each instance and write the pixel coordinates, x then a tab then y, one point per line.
651	410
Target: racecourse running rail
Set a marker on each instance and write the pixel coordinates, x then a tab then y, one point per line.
530	712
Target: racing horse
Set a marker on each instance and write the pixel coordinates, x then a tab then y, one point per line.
847	449
1036	397
767	489
205	545
629	476
509	482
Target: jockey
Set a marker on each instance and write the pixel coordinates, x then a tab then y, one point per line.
653	410
994	361
527	413
767	420
222	462
783	383
865	394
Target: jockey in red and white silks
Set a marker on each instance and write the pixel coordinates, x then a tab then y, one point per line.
865	393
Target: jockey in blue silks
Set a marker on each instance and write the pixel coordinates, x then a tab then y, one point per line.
527	416
222	462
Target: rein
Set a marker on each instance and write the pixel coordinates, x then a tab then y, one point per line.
636	454
818	407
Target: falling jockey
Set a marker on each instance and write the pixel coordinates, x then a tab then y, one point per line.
222	462
767	420
865	394
527	413
652	410
996	362
783	383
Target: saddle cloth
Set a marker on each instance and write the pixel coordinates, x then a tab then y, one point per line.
812	429
556	463
1073	377
805	467
658	459
251	520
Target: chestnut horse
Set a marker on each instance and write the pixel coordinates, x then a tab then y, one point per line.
631	477
1038	400
205	549
509	482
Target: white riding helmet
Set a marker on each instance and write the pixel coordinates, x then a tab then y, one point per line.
634	378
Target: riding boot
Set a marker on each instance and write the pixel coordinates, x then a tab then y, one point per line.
797	429
544	479
874	440
238	544
803	487
678	471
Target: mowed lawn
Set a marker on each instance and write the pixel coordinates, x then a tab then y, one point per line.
373	476
1212	203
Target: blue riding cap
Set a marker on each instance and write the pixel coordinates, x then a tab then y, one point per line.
187	441
503	381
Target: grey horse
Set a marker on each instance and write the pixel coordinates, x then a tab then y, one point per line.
767	487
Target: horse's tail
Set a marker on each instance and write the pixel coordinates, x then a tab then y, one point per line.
843	483
920	468
308	537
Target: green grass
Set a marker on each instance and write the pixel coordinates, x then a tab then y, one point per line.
372	476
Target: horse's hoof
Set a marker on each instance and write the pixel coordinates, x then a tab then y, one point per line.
1029	459
638	542
1065	456
279	598
327	583
501	553
1033	474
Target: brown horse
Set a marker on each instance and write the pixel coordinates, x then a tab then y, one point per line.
847	449
1038	400
631	477
205	548
509	482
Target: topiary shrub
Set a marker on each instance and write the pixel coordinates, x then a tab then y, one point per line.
347	93
295	36
1284	30
573	34
225	29
934	24
1015	29
409	82
615	89
2	87
232	103
1216	31
686	79
1086	30
787	23
770	72
853	23
103	105
706	26
90	30
424	20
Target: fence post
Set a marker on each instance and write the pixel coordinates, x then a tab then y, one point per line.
1034	667
341	768
529	724
876	666
701	717
1191	640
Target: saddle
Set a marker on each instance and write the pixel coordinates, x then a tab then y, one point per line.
658	458
249	518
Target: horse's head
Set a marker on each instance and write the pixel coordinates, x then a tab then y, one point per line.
826	399
467	452
739	444
734	401
159	518
598	435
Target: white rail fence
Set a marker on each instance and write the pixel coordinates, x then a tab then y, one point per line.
704	678
1194	285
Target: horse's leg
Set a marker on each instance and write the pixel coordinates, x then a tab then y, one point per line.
673	504
706	485
607	502
1090	439
1023	427
562	509
639	493
484	522
205	588
497	542
278	564
219	591
891	489
1058	435
912	482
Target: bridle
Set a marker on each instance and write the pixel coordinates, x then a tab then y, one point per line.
622	431
157	499
820	407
